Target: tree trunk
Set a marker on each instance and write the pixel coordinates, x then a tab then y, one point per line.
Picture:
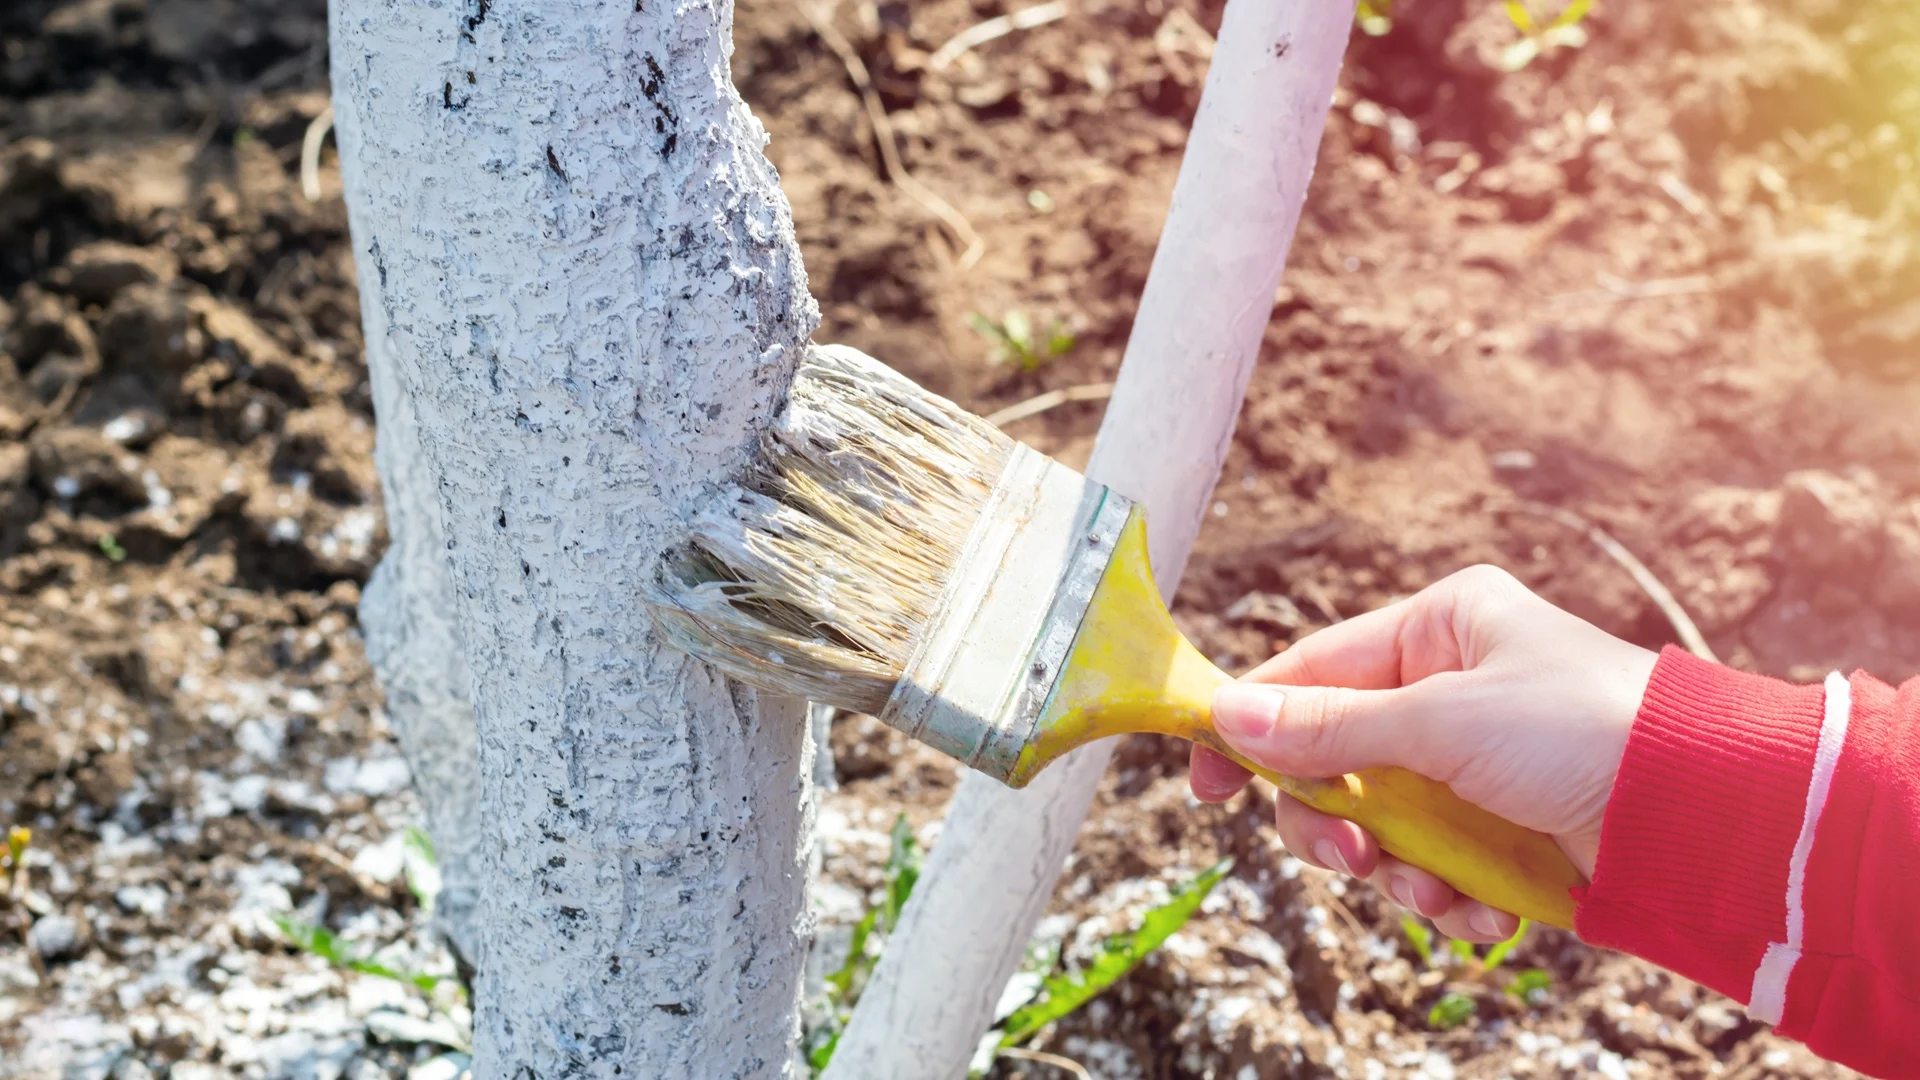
583	273
1208	298
406	615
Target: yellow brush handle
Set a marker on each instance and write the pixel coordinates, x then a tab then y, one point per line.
1131	670
1422	822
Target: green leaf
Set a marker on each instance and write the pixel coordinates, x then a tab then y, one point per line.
1531	986
902	873
1062	994
1060	340
1419	937
1518	14
317	940
822	1052
322	943
986	328
903	870
1451	1011
1572	13
1019	331
842	981
1461	950
18	837
1499	951
421	866
1374	16
110	547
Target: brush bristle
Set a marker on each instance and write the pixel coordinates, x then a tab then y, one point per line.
813	575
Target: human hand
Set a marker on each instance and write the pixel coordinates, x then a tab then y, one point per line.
1522	708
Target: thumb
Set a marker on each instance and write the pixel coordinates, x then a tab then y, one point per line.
1319	730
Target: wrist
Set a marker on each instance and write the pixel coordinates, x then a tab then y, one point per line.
1692	864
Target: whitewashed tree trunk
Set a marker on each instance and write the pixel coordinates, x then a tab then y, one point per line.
406	616
1209	295
583	271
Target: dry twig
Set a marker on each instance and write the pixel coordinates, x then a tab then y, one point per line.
1052	399
980	33
1321	601
310	154
1064	1063
962	229
1656	591
1319	891
1616	288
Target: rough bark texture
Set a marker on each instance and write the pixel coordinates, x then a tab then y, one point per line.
1208	297
406	615
584	273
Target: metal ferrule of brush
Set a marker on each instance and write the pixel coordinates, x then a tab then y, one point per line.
979	679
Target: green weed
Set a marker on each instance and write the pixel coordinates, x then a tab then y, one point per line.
1057	995
1419	937
422	867
902	873
1453	1009
1062	994
422	870
1531	986
322	942
110	547
1538	37
1375	17
19	838
1014	341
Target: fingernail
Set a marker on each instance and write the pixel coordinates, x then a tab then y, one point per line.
1329	855
1483	921
1243	712
1402	891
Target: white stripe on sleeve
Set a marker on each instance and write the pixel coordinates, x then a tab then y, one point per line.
1768	1001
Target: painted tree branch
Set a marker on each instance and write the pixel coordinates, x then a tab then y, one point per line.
582	269
1208	299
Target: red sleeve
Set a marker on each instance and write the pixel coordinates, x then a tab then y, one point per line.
1763	839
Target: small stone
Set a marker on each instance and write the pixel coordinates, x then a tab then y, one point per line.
1900	578
150	900
444	1067
70	462
57	937
1527	187
94	273
149	329
1831	525
1267	609
386	1025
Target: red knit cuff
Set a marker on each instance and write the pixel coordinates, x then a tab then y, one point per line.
1692	868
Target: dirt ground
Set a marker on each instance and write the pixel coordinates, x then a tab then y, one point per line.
1667	280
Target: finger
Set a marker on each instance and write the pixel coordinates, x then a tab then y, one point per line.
1213	777
1324	841
1412	888
1471	920
1327	731
1363	652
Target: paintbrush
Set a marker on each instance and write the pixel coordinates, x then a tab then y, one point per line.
889	553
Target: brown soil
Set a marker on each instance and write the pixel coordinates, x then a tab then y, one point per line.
1665	280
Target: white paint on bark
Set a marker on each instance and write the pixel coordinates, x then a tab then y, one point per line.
406	616
1208	298
582	269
